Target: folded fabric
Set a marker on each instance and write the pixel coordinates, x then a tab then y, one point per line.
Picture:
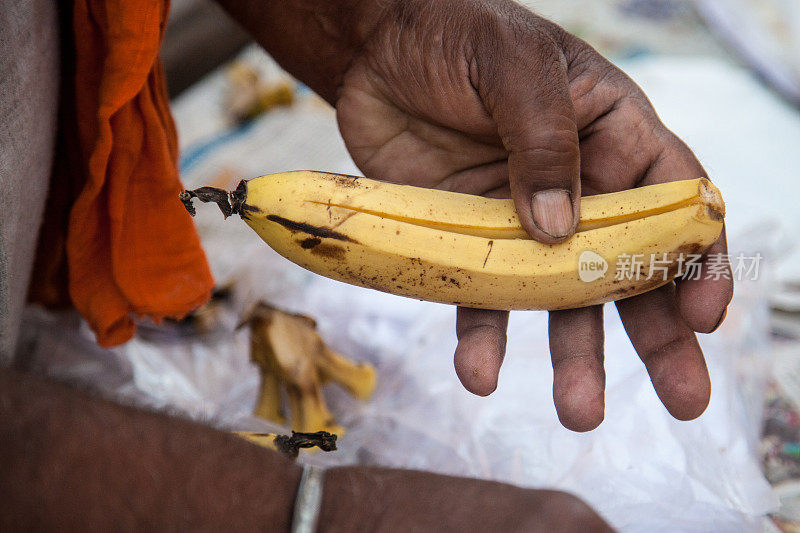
131	248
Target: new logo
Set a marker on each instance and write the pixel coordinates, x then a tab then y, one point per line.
591	266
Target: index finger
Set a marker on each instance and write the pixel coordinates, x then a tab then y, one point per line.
702	299
624	144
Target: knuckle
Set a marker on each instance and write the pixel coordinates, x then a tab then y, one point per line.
666	347
586	64
639	114
683	156
593	79
546	148
583	356
522	35
636	121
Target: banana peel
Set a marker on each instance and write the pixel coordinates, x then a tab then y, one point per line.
292	357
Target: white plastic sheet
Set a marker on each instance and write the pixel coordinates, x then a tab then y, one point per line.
641	469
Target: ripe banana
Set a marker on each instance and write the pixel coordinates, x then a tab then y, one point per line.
468	250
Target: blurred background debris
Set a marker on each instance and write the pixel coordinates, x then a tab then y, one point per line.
248	95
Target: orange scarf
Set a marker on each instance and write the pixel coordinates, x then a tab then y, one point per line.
131	247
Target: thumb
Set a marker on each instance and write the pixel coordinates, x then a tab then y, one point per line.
529	101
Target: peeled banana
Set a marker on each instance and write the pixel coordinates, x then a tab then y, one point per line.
469	250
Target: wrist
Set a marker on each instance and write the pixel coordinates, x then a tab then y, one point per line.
351	24
351	499
314	40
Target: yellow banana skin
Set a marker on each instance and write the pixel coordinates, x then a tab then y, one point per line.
468	250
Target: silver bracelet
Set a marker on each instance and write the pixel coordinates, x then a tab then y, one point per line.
308	503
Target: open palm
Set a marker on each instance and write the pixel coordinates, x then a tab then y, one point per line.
503	103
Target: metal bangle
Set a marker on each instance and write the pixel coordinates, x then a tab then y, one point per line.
308	503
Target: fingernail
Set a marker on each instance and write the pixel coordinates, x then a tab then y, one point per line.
552	212
720	321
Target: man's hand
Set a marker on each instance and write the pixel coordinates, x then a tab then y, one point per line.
484	97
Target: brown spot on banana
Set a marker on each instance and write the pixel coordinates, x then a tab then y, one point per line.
491	245
316	231
687	249
310	242
329	250
345	180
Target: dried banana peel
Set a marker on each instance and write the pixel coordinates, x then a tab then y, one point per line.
248	96
293	357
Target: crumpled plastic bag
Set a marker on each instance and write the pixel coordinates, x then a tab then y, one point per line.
641	469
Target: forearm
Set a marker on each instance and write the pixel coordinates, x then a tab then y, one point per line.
70	461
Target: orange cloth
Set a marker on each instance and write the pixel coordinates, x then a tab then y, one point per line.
131	247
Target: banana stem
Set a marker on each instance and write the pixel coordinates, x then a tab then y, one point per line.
290	446
230	203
